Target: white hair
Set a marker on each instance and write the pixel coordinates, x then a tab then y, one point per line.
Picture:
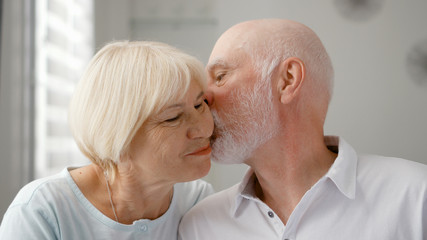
123	85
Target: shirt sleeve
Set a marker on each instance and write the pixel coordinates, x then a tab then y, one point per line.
24	222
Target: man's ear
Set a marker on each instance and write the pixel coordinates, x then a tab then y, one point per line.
291	77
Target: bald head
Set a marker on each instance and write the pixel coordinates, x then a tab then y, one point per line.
262	31
267	42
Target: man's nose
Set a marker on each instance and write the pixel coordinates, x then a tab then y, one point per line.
209	98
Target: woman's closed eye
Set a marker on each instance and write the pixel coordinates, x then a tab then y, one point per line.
201	105
173	119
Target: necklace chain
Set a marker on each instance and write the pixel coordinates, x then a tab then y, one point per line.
109	195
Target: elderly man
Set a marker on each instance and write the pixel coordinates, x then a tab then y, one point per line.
271	84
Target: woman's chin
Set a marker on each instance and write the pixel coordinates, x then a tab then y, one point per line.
199	171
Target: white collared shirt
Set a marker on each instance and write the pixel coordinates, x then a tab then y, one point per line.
360	197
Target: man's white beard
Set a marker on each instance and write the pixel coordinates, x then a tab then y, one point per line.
248	124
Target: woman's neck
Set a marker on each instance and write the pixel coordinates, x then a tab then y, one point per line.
132	197
136	198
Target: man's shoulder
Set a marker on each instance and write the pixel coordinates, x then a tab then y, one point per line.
188	194
392	169
216	204
201	221
391	163
226	197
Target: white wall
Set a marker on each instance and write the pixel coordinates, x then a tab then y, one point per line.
376	105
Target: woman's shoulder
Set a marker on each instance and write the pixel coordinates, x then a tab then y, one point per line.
35	207
41	188
46	208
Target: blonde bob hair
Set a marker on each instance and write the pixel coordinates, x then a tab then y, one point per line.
124	84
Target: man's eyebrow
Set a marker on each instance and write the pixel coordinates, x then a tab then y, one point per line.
218	63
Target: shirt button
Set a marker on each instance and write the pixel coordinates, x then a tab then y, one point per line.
271	214
144	228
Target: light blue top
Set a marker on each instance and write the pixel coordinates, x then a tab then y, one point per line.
55	208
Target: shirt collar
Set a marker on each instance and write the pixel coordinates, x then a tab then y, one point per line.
342	173
245	191
343	170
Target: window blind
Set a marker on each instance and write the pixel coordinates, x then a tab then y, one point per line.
64	46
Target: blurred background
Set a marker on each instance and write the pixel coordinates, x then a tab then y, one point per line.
378	48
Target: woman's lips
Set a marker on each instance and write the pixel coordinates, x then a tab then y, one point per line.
201	151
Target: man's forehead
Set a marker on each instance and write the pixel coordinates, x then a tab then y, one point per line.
230	58
229	41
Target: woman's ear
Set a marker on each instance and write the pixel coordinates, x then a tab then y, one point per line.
291	77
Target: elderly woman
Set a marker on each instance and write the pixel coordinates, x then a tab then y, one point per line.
139	114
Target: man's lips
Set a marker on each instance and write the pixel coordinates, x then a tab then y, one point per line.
201	151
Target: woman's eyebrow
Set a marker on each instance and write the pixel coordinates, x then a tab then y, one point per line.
178	105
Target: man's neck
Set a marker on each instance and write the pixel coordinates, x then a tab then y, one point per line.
287	171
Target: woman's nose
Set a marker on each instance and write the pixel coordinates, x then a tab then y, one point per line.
202	126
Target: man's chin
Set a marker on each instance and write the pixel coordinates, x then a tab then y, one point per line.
224	159
224	162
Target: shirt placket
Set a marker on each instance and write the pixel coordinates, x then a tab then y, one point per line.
290	230
272	219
